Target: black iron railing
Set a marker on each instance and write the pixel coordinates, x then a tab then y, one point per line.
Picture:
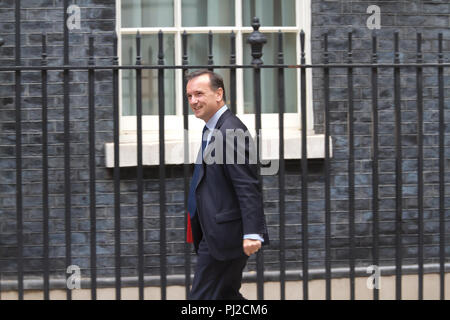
256	41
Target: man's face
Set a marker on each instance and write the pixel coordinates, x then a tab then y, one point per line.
203	100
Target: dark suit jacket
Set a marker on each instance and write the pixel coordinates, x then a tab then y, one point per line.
229	198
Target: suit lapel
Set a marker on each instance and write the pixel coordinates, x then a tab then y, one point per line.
219	123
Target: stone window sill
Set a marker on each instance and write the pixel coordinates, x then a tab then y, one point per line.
174	149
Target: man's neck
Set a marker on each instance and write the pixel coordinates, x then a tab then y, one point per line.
211	123
218	108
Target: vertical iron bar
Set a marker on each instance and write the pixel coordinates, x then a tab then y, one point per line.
375	171
186	166
281	177
351	169
419	86
326	89
19	200
257	97
92	198
210	50
398	171
117	249
45	207
67	186
162	170
304	165
441	171
257	40
140	187
233	73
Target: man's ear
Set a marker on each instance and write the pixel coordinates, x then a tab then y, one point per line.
219	94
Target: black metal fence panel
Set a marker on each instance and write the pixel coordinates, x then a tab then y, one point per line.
256	41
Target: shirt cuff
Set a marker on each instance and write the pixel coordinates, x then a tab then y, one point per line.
254	236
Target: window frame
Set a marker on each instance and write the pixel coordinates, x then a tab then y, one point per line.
173	123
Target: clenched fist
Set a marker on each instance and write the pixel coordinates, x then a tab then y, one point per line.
251	246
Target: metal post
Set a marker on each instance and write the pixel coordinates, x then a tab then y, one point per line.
45	202
304	165
441	170
186	167
375	171
92	197
351	168
281	174
257	40
19	200
117	229
162	170
419	84
398	171
140	173
67	182
326	79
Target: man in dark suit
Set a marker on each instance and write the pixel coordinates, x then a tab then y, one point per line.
225	209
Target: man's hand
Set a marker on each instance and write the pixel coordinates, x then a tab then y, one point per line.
251	246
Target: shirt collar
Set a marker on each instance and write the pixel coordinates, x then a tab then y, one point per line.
211	124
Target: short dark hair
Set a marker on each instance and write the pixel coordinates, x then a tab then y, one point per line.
215	80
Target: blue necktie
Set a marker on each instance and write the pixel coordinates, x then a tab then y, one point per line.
192	203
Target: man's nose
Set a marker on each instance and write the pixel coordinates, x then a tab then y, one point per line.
193	100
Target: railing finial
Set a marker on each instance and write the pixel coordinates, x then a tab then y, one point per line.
256	40
2	42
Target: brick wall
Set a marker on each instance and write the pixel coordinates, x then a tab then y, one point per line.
407	17
429	17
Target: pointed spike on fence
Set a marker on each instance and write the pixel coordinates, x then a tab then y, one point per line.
280	48
115	37
374	47
44	49
91	47
325	47
233	47
350	40
419	42
210	41
302	46
91	50
115	48
138	48
160	46
374	41
2	42
440	38
138	41
184	40
396	47
280	42
210	36
396	41
350	47
44	43
210	48
302	40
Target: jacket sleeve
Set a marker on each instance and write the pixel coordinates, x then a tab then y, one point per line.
241	170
